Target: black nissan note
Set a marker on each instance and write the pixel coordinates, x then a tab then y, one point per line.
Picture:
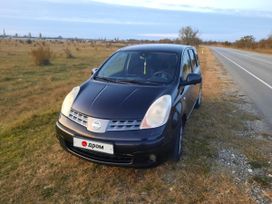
133	109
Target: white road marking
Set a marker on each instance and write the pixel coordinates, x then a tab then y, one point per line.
251	74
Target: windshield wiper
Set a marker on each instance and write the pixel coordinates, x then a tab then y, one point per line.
136	82
127	81
105	79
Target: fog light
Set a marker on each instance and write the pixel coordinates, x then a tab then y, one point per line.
152	157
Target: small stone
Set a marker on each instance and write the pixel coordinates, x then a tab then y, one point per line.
232	155
270	175
250	170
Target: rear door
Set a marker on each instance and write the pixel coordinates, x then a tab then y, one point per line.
188	96
195	69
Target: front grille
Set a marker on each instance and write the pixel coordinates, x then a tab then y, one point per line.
78	117
122	125
113	125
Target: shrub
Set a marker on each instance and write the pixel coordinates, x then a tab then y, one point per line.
28	41
42	55
108	45
68	53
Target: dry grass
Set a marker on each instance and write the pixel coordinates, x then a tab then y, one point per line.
261	50
35	169
68	53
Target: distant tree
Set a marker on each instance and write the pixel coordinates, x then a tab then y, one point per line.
189	36
227	43
247	41
4	32
16	35
265	43
29	35
40	35
165	40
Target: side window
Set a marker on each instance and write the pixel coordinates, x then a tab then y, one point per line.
197	59
186	66
193	59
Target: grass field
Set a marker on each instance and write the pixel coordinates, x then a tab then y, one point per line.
34	168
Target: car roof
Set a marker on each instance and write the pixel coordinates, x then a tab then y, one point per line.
157	47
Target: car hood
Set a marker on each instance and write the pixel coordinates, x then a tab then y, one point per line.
116	101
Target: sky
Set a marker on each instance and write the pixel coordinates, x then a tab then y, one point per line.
141	19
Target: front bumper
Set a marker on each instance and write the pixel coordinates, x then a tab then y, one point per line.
131	148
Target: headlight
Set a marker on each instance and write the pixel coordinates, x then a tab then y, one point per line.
158	113
69	100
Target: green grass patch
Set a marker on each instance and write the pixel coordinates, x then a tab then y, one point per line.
18	143
258	164
264	181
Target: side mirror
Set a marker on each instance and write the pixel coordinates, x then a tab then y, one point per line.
94	70
191	79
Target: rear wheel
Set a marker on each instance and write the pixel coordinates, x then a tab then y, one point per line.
199	100
178	143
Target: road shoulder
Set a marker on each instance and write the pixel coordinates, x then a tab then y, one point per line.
245	150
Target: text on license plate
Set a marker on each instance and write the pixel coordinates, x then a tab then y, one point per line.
93	145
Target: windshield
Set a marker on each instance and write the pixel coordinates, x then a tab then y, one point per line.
140	67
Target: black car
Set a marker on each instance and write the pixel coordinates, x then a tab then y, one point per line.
133	109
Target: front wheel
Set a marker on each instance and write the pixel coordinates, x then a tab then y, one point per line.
178	143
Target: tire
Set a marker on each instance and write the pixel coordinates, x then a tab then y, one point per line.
178	143
199	100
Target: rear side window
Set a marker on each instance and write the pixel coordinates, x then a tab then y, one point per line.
193	59
186	66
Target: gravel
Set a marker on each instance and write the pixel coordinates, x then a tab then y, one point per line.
242	172
237	163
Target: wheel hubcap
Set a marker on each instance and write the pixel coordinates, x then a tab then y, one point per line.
200	97
180	139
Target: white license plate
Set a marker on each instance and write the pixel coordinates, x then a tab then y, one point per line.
93	145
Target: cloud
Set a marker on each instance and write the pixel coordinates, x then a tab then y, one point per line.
81	20
95	20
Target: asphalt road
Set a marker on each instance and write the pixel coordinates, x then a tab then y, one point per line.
253	73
